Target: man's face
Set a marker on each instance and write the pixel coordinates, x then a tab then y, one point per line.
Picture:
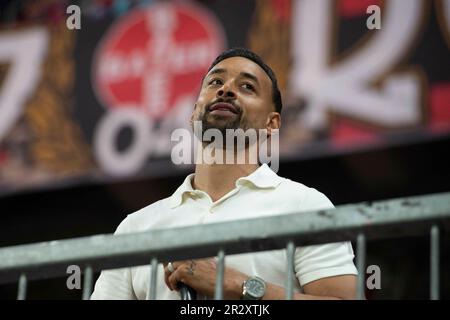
236	93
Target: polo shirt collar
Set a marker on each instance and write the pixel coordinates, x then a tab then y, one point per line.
177	197
262	178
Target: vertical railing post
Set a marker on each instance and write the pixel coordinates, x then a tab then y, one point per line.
22	290
218	294
434	263
290	251
153	278
87	284
361	265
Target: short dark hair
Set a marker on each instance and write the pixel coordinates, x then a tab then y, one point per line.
245	53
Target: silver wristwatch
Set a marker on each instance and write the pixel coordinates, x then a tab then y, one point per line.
253	288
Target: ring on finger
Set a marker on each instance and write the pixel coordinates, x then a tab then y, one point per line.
170	267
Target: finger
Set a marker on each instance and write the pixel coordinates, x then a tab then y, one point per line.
175	264
166	269
175	278
172	280
166	280
168	272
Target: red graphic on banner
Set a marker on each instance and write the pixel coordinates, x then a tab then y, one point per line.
355	8
154	56
345	132
440	107
3	157
282	9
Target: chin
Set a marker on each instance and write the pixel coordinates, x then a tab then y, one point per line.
220	124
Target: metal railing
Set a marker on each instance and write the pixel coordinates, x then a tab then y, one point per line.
360	222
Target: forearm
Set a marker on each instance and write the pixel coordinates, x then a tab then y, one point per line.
274	292
233	291
201	276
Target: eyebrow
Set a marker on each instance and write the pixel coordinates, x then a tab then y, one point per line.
249	76
215	71
242	74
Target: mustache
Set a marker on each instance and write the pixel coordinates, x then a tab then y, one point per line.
221	100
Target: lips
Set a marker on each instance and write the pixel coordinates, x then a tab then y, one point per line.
223	106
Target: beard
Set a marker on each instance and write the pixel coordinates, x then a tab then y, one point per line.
221	123
238	140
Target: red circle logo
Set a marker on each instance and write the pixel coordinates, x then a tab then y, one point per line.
156	55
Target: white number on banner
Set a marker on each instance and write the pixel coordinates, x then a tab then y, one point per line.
443	13
346	87
23	52
148	140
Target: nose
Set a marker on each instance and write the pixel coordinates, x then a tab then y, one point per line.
226	92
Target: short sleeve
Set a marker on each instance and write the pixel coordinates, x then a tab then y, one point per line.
115	284
325	260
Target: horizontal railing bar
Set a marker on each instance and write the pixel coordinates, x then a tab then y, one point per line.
381	219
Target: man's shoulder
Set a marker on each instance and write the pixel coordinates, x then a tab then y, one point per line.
290	187
295	185
308	197
142	219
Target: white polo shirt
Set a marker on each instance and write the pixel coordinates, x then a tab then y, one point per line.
262	193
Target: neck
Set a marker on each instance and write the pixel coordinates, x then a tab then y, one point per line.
219	179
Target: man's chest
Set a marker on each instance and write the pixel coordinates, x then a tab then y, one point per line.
243	205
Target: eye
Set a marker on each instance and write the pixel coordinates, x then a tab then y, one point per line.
215	81
248	86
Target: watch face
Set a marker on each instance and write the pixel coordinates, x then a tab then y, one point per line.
256	287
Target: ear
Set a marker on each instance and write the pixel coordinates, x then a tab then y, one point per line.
273	122
192	114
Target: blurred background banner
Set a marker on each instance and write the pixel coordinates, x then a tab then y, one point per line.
100	103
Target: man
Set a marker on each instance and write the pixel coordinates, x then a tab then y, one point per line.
239	92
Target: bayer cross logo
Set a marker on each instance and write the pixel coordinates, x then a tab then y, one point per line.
148	61
147	72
